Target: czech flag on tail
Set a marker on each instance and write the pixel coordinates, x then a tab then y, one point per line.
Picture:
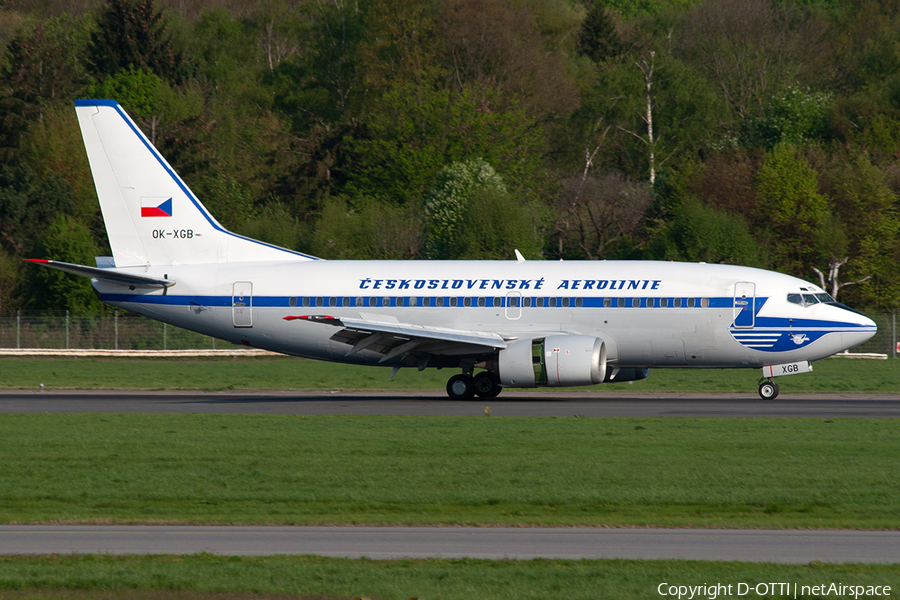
151	207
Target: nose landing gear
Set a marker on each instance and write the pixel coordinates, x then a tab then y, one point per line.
768	389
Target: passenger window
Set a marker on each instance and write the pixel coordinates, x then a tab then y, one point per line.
426	301
412	302
539	302
620	302
690	303
526	302
649	302
373	301
553	302
704	302
607	302
663	302
359	300
453	301
481	301
467	301
498	301
677	302
385	301
439	301
292	301
320	301
579	302
636	302
513	302
345	301
305	301
565	302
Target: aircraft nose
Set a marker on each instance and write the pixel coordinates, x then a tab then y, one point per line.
866	329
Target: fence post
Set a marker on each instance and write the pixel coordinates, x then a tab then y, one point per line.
18	327
67	330
894	332
116	326
164	336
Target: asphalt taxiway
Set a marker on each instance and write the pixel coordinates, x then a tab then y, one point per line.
790	546
512	403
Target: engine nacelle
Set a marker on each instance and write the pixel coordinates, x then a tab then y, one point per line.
556	361
626	374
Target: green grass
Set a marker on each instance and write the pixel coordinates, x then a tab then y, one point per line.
830	375
260	469
135	577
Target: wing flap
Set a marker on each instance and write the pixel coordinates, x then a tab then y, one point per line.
393	339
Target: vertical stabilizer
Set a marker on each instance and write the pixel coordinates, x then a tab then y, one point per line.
151	216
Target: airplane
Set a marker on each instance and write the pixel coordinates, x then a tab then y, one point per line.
503	324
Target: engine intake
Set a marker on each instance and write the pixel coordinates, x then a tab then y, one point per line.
555	361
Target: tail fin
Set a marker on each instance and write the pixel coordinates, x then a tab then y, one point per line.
151	216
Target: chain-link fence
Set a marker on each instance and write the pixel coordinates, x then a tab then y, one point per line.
116	330
121	330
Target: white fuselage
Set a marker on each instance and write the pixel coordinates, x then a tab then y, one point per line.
650	314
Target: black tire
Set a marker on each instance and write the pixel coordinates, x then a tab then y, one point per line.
461	387
487	385
768	390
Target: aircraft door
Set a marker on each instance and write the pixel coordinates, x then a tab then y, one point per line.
744	305
513	306
242	304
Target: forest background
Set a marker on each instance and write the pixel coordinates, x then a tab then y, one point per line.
730	131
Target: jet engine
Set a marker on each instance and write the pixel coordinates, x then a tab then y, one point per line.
555	361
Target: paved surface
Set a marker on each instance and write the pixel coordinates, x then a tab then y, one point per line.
561	404
478	542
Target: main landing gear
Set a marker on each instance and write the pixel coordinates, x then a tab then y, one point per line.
768	389
464	387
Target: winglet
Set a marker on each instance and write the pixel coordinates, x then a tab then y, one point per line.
519	257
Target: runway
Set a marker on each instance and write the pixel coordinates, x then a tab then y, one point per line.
789	547
513	404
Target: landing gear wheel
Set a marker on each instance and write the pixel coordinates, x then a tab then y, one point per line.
461	387
768	390
487	384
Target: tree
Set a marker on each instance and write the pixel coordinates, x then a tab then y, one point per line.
751	49
368	228
449	200
594	213
789	205
41	67
131	34
67	241
27	205
598	38
417	130
795	116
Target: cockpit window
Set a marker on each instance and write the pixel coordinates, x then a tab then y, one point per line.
810	299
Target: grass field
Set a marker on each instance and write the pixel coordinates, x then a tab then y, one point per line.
259	469
233	578
830	375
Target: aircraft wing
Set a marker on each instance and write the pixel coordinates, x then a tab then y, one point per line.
104	274
394	338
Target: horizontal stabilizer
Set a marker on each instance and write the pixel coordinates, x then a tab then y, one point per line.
104	274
